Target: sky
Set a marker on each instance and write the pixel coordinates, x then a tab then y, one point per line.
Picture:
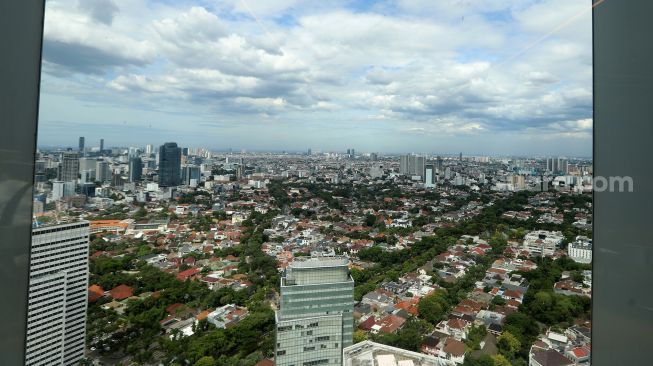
500	77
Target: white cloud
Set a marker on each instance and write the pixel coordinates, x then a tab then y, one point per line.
450	66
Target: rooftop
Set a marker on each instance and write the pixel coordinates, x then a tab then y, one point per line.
368	353
319	261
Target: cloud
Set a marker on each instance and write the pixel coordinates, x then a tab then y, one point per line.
79	42
102	11
451	67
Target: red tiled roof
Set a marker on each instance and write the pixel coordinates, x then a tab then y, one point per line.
456	323
367	324
95	292
184	275
121	292
265	362
454	347
171	309
391	323
579	352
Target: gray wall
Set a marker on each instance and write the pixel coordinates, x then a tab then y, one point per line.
623	130
21	24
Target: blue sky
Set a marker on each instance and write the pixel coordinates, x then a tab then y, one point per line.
481	77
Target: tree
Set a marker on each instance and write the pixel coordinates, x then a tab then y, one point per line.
370	220
508	344
475	336
359	336
432	307
498	300
500	360
205	361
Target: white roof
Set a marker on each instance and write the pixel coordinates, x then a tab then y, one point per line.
557	337
386	360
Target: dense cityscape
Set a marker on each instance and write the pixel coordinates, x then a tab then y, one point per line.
167	255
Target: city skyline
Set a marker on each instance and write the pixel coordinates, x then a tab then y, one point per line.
387	76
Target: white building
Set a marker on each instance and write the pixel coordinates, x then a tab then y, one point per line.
56	310
429	176
580	250
542	242
368	353
227	316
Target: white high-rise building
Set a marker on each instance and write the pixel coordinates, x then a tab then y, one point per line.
102	171
58	283
557	165
429	176
412	165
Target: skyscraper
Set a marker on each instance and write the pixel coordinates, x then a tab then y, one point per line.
102	172
190	172
412	165
404	163
315	316
101	145
69	167
56	310
149	149
81	144
429	176
135	169
169	165
557	165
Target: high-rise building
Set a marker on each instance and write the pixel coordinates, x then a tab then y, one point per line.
87	164
56	309
101	145
412	165
429	176
169	165
557	165
460	157
135	169
57	190
149	149
81	144
102	172
315	316
87	176
308	152
439	164
404	163
190	172
69	167
518	182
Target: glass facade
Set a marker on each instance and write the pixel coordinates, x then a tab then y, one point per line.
315	316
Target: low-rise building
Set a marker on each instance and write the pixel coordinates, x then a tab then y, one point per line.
580	250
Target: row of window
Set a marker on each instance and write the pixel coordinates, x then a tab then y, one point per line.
57	229
79	240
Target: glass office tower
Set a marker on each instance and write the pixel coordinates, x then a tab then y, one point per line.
315	317
169	165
